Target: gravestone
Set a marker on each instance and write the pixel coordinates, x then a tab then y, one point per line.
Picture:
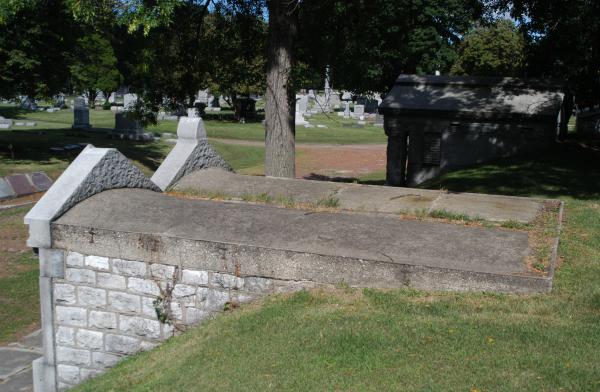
21	184
81	114
378	120
359	110
192	113
302	103
127	127
129	101
6	191
5	123
59	102
371	105
40	181
299	117
346	109
28	104
245	107
202	97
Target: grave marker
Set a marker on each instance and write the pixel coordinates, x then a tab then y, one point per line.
41	181
81	114
21	184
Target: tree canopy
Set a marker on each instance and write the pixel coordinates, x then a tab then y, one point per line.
496	49
94	66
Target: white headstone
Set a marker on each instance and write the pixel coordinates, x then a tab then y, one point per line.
346	109
299	118
301	103
202	96
192	113
359	110
129	101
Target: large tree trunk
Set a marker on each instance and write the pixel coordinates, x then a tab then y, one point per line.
280	103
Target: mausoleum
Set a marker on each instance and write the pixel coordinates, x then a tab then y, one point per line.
437	123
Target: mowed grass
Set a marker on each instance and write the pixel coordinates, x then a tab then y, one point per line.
219	126
362	339
19	294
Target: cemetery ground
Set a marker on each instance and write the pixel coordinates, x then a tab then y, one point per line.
239	144
353	339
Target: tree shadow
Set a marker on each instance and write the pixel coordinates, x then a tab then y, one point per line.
354	180
43	145
564	169
14	112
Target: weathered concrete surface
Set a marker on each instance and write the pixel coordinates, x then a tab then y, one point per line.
365	197
94	170
15	363
20	382
362	249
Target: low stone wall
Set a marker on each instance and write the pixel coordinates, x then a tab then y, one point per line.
124	266
107	308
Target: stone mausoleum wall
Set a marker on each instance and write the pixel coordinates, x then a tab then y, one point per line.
107	308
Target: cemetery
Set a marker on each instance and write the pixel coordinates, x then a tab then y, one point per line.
125	266
304	196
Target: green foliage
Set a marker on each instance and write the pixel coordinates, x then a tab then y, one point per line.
368	43
93	66
562	37
34	47
494	50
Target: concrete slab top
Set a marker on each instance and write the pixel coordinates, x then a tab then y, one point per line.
367	236
368	198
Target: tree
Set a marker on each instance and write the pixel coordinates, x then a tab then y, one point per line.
494	50
34	48
367	44
562	38
94	67
280	96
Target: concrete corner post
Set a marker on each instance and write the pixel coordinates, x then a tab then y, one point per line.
93	171
192	152
44	368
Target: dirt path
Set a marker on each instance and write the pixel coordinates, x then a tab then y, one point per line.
322	161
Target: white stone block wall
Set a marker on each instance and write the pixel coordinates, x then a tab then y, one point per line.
104	309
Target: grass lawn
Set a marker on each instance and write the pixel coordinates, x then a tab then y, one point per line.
335	133
353	339
19	295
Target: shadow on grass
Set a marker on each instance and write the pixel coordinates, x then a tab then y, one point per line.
354	180
35	146
571	168
13	112
568	168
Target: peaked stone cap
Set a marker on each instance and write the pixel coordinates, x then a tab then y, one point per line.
93	171
192	152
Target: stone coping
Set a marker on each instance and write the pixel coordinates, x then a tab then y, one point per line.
361	249
368	198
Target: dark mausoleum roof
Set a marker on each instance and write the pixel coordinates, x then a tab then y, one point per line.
474	98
